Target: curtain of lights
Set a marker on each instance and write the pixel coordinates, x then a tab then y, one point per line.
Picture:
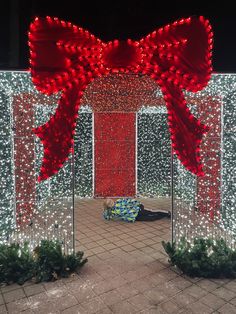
153	153
32	211
206	207
130	118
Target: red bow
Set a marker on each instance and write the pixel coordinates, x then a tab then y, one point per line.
67	58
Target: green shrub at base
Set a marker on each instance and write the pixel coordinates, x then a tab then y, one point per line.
205	258
47	262
16	263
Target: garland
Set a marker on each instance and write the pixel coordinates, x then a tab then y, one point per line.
46	263
205	258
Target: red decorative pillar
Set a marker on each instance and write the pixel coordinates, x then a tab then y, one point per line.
115	100
209	186
25	186
114	150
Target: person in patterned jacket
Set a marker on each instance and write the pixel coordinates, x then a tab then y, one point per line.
130	210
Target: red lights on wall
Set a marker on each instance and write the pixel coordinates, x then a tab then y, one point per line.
67	58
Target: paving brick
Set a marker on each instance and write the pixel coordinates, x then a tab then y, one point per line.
57	283
227	309
168	274
153	310
94	305
233	301
103	311
180	283
139	244
104	256
1	299
231	285
109	246
195	291
128	248
18	306
183	299
123	307
213	301
207	284
168	289
102	287
155	295
224	293
38	300
83	293
3	309
46	308
142	284
66	302
169	307
57	292
155	266
140	302
13	295
34	289
131	275
221	281
200	308
11	287
126	291
111	297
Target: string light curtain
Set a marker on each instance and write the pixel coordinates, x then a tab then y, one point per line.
214	102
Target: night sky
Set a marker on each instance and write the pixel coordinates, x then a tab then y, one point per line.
121	20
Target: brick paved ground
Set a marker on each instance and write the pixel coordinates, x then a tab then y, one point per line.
127	272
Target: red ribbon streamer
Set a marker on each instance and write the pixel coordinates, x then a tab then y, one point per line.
67	58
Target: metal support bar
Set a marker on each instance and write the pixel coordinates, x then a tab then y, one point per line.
73	197
172	195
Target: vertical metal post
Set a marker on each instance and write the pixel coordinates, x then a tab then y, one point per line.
136	154
93	154
73	197
221	156
172	195
12	133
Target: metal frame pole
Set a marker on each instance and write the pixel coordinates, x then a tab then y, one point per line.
172	195
73	197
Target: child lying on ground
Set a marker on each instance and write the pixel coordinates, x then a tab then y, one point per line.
128	209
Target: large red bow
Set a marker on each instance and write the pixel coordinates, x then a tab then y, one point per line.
66	58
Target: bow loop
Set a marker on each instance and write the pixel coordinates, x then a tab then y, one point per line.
58	52
183	50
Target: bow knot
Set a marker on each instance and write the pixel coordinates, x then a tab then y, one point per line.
121	54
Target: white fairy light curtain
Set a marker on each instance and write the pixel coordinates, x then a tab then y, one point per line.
153	161
142	88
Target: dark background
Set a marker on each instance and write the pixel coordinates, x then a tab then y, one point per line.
115	20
